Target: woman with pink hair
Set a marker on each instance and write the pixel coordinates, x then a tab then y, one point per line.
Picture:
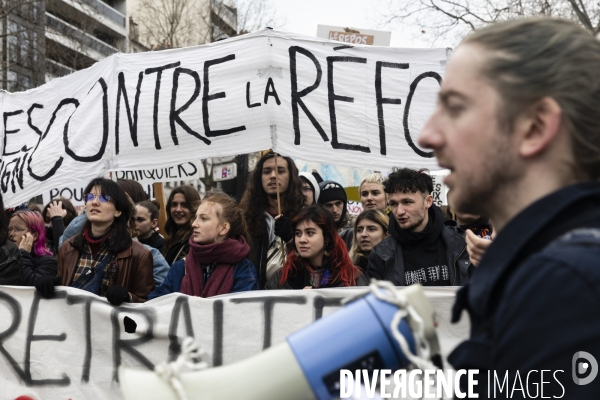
26	229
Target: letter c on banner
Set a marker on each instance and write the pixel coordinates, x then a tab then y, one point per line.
413	88
58	163
100	152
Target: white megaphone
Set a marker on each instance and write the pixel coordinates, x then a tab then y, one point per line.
367	332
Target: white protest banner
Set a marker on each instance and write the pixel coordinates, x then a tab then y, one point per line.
339	104
70	347
146	177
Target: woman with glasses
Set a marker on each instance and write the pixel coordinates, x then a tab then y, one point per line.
310	188
10	257
102	258
27	231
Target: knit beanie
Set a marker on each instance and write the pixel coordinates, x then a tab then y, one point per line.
331	191
310	179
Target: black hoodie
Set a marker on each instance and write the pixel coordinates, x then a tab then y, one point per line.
424	252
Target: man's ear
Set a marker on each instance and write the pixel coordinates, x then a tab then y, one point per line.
538	128
428	201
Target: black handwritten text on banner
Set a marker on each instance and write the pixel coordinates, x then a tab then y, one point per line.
71	346
348	105
146	177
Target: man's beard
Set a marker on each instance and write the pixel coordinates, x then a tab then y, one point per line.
481	195
415	224
273	195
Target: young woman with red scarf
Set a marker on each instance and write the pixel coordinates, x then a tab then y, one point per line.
320	258
216	262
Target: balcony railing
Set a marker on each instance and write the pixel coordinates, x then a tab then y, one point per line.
73	33
107	11
57	69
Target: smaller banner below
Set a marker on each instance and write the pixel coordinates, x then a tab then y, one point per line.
71	346
146	177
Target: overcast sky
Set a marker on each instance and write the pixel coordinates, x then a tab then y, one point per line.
304	16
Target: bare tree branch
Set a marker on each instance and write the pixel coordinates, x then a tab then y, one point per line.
257	14
583	17
452	19
173	23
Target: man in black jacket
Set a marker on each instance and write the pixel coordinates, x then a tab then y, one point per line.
517	124
420	249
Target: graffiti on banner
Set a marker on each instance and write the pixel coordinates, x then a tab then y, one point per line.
354	207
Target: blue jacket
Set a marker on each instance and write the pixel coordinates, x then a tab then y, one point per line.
244	279
534	301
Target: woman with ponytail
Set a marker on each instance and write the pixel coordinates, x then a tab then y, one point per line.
146	222
216	262
320	257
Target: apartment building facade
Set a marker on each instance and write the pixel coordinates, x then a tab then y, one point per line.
45	39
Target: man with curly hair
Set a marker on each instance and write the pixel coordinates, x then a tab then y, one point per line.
420	248
269	229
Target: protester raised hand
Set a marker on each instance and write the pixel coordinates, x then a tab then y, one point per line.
476	246
283	228
55	210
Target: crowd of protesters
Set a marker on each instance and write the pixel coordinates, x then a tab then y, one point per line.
291	230
516	124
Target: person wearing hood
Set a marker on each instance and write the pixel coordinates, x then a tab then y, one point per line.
310	188
420	248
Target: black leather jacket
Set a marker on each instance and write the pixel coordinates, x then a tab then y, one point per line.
387	263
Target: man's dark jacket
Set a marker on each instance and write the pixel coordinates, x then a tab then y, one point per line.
35	267
10	264
386	261
534	301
